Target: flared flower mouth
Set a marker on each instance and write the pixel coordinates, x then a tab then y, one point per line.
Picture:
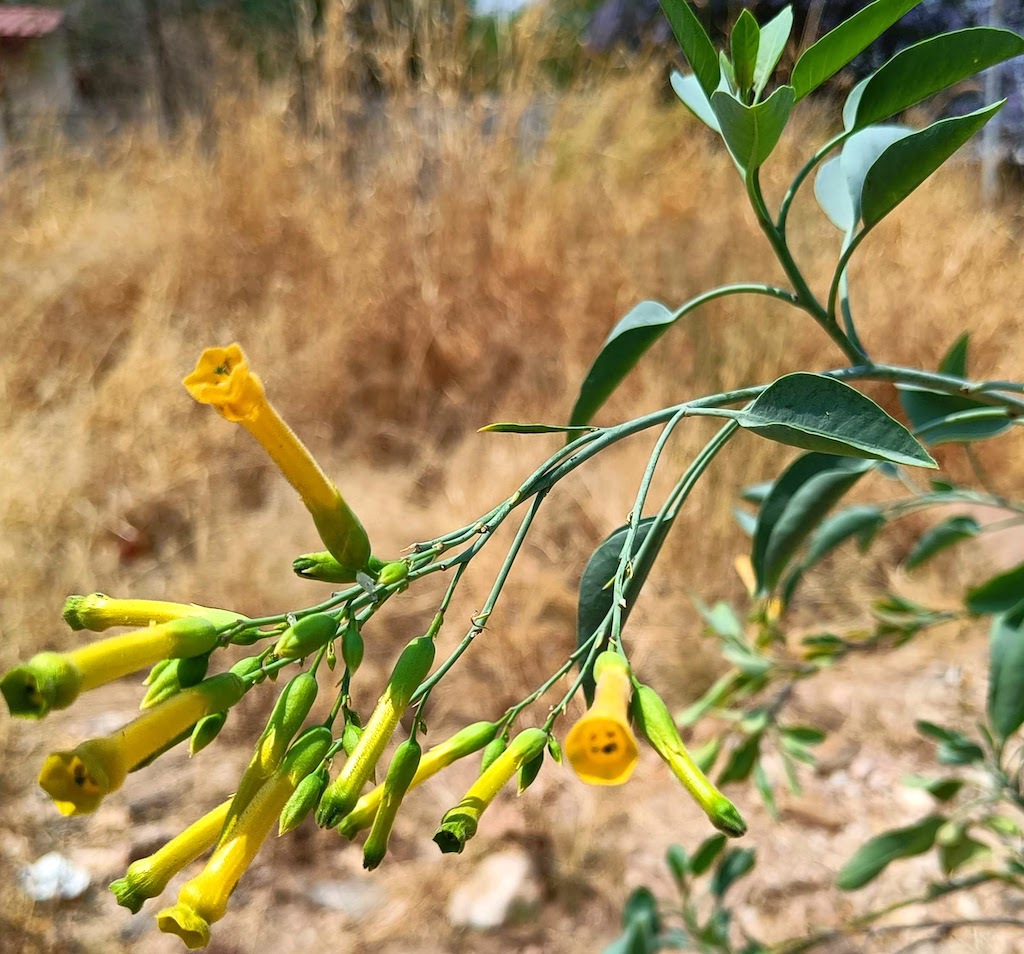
186	923
77	781
222	379
602	750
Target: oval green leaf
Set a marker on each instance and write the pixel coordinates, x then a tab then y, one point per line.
774	37
997	595
704	857
876	855
926	68
826	57
752	132
939	416
736	864
1006	672
819	413
695	43
938	538
832	191
906	164
744	42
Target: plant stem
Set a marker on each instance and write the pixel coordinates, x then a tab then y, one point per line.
805	171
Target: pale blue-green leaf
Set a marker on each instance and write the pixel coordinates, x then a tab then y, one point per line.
852	101
746	521
906	164
937	416
695	43
954	361
819	413
874	856
688	89
774	37
930	66
826	57
861	152
752	132
832	191
938	538
1006	672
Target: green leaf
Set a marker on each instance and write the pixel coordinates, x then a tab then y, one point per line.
695	43
941	789
746	521
862	522
802	495
752	132
954	362
906	164
874	856
742	761
1006	672
736	864
939	537
764	788
956	852
936	415
744	42
835	49
678	862
510	427
628	340
955	748
818	413
595	596
860	153
926	68
721	619
706	854
687	87
756	493
997	595
774	37
804	734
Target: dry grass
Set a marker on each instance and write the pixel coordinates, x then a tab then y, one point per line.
458	278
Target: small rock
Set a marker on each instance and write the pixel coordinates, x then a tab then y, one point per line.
356	897
503	887
53	877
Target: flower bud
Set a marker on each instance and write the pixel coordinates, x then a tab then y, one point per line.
393	573
493	749
172	675
352	646
659	728
342	794
397	782
206	730
323	567
460	823
306	636
99	612
466	741
303	800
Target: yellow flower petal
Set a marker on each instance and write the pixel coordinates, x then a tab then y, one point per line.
222	379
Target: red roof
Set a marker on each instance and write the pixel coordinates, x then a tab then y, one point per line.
28	22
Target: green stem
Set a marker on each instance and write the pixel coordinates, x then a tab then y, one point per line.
805	171
844	259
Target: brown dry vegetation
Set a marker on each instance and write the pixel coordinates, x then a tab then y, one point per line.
457	278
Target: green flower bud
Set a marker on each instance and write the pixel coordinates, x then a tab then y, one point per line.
303	800
306	636
528	773
352	646
494	748
460	823
351	735
322	566
393	573
47	681
172	675
397	782
248	667
205	731
342	794
656	723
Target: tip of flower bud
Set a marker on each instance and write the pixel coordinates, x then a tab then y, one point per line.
182	920
456	829
47	681
126	891
322	566
72	612
727	819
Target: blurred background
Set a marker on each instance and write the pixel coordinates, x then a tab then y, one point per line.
418	218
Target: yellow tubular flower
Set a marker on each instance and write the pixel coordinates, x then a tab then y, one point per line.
54	680
466	741
204	899
460	823
601	746
659	728
222	379
99	612
148	877
78	780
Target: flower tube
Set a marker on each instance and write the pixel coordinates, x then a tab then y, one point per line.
601	746
54	680
204	899
99	612
78	780
222	379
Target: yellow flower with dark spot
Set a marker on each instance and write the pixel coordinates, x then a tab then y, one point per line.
222	379
601	747
78	780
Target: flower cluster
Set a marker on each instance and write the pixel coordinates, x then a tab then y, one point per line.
303	766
